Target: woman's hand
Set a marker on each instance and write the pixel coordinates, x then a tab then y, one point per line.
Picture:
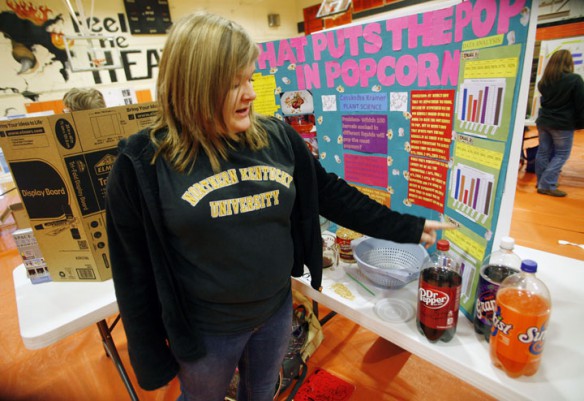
430	228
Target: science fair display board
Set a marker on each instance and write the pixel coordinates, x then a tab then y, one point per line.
416	111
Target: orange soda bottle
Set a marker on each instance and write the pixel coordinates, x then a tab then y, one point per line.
520	322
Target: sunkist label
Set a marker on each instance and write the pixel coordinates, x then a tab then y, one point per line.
438	306
520	335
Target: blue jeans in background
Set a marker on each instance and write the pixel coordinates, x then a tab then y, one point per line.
553	152
258	354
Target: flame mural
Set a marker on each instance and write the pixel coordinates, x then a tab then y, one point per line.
29	25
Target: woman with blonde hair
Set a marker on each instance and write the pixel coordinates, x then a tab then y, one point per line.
209	213
561	112
83	99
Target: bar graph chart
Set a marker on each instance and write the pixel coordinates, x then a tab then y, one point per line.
472	191
480	104
469	268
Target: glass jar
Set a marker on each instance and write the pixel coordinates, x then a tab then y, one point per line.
330	251
344	238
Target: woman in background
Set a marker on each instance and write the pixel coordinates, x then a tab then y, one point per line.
83	99
561	112
209	213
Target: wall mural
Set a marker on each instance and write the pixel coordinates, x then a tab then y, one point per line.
34	60
28	28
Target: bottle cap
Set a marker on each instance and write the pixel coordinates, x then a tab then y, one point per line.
442	245
529	266
507	243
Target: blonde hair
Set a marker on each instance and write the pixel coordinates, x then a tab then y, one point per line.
561	62
202	56
83	99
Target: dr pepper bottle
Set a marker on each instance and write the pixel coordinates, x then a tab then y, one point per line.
439	294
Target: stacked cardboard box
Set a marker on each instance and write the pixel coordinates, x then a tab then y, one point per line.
60	165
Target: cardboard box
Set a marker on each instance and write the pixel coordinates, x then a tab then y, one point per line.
60	165
28	247
20	217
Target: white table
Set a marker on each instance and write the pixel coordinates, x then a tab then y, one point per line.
561	374
49	312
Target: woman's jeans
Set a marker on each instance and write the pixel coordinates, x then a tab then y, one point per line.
258	354
553	152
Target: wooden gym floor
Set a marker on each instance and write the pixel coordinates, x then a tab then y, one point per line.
76	368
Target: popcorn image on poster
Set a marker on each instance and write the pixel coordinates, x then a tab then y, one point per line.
524	16
398	101
511	37
329	103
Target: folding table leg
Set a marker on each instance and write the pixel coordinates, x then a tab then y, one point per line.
110	347
325	319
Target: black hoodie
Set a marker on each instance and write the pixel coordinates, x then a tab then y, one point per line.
149	297
562	104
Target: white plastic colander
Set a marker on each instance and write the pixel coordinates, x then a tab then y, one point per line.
389	264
